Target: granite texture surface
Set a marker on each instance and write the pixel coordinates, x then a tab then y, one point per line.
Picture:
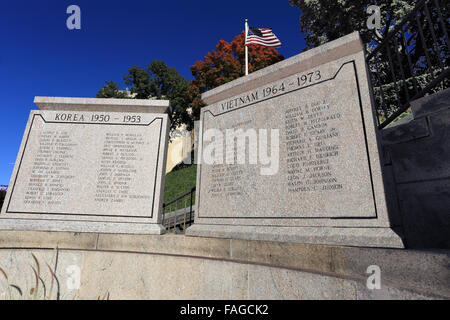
417	155
179	267
358	237
87	170
325	176
431	104
102	104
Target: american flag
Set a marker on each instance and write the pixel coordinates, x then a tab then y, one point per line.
262	36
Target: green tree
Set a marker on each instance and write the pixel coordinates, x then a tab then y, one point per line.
402	68
325	20
167	83
111	90
139	81
157	81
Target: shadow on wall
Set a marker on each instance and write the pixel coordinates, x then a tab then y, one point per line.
417	155
2	198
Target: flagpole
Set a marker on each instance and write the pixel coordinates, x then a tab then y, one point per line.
246	48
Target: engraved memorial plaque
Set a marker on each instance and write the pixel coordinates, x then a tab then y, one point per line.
290	153
95	170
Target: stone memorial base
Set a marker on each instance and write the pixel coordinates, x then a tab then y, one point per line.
177	267
358	237
81	226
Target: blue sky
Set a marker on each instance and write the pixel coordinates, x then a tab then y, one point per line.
39	56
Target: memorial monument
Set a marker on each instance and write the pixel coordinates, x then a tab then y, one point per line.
311	171
90	165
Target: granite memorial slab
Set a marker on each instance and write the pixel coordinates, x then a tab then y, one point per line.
291	153
90	165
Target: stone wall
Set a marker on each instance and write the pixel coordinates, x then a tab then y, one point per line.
180	267
417	158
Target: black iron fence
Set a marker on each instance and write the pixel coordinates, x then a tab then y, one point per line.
411	61
178	213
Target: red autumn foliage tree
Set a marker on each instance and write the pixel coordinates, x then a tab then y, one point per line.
225	64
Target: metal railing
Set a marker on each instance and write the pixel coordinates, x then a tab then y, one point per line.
178	213
411	61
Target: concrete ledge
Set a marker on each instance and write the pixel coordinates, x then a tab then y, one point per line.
364	237
431	104
167	244
406	132
102	104
418	273
77	226
48	240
